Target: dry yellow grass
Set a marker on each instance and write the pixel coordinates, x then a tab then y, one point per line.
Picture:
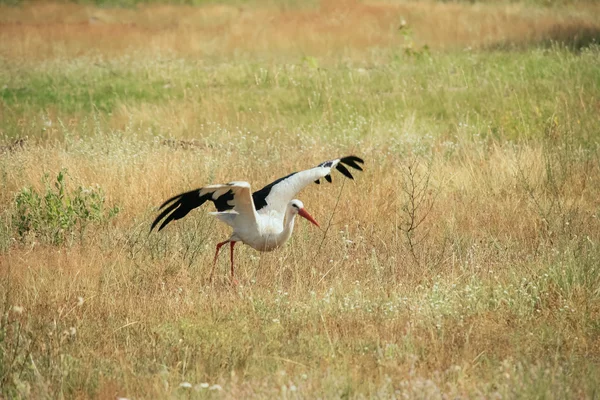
494	294
381	311
335	28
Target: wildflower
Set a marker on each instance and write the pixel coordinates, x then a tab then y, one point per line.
185	385
204	385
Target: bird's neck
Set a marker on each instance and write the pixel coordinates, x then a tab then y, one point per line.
288	224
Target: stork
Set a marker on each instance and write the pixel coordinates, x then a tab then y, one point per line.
264	220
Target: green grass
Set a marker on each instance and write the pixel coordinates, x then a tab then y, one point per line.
81	91
504	95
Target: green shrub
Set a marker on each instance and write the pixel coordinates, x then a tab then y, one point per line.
57	215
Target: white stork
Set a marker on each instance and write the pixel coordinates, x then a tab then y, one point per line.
263	220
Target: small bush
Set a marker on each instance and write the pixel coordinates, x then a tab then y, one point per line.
57	215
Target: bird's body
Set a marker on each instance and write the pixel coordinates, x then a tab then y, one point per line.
264	220
268	233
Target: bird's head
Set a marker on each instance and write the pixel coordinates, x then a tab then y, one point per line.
297	207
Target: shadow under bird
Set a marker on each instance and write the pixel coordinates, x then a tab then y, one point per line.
264	220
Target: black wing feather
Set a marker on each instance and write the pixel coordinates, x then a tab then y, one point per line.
340	167
163	214
176	197
182	204
185	202
259	197
352	158
222	203
352	162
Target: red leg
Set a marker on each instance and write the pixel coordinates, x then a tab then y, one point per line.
212	271
233	280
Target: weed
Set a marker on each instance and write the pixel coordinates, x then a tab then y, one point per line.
15	347
417	201
57	215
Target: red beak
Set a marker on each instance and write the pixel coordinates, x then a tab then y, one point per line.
303	213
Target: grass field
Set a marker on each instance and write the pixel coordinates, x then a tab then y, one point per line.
462	263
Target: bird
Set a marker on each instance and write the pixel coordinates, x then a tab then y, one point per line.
264	219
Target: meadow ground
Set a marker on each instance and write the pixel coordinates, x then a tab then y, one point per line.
462	263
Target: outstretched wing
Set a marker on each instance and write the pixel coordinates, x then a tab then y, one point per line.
276	195
236	195
231	196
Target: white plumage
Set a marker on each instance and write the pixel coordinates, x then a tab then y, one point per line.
264	220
